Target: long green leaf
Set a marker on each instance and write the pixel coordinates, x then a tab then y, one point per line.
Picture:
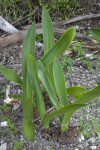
84	98
60	82
76	91
95	33
11	75
43	78
29	130
59	47
55	113
32	71
28	127
27	49
48	34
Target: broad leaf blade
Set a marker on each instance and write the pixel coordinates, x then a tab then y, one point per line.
95	33
55	113
60	82
76	91
11	75
59	47
36	86
27	49
43	78
48	34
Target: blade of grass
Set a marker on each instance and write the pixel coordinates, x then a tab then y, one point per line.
43	77
59	81
32	71
48	34
27	49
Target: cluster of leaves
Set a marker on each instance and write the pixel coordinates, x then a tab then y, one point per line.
18	145
78	52
17	11
4	107
10	125
20	12
67	62
49	71
63	8
85	127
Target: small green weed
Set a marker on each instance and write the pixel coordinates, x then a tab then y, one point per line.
63	8
51	148
78	47
67	63
85	128
4	107
18	145
88	64
11	128
20	12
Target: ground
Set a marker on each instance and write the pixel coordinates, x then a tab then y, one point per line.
80	75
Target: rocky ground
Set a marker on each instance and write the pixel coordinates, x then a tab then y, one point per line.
80	76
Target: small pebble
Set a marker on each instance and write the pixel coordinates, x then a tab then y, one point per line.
92	148
92	140
81	138
3	146
4	124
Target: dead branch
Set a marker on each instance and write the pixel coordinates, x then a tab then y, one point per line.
79	18
6	26
19	36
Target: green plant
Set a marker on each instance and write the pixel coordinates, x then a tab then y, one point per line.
78	47
67	63
95	33
17	11
18	145
88	64
63	8
85	127
10	125
50	73
96	126
11	128
4	107
50	148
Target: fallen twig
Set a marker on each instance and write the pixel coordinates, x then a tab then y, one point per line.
79	18
19	36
